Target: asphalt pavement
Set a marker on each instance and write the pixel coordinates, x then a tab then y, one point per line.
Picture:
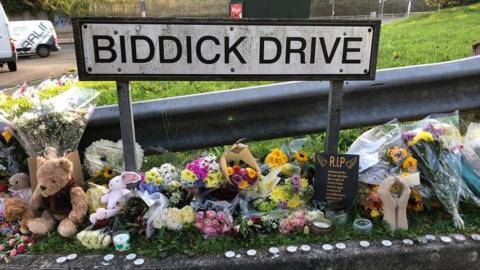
32	68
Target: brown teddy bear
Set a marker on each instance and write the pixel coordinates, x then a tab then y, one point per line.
58	198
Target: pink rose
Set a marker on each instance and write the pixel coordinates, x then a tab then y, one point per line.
208	222
24	238
13	253
199	217
299	223
221	216
199	226
215	224
2	247
21	248
211	214
12	241
209	231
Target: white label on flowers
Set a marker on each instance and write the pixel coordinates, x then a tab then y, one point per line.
309	50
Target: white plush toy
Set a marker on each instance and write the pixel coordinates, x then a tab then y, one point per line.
115	196
19	186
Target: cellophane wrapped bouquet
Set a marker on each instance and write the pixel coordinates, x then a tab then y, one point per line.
383	154
104	160
286	184
58	121
435	143
202	173
471	158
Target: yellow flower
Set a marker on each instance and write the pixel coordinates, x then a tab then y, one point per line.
278	194
108	172
374	213
397	154
303	183
98	172
295	202
288	169
276	158
151	176
251	173
230	171
410	163
7	135
158	180
421	136
188	215
213	180
175	184
175	213
188	176
301	156
243	184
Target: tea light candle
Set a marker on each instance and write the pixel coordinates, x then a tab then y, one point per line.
321	224
122	242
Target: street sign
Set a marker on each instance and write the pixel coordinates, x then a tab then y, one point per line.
219	49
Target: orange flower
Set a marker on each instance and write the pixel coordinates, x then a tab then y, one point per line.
251	173
301	156
243	184
230	171
7	135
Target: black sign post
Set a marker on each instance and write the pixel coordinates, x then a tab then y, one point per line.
132	49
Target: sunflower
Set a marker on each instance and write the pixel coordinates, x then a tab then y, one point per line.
301	156
108	172
415	202
397	154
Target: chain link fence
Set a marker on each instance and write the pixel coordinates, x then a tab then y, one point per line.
162	8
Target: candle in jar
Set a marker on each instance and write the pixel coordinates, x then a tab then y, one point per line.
122	242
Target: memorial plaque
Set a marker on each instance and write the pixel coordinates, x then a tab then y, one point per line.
336	179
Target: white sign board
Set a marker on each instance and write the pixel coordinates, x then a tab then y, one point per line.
225	50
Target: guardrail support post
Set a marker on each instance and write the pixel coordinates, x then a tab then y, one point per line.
127	127
335	103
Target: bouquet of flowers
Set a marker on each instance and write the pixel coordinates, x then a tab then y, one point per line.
292	193
434	143
295	222
471	158
94	239
248	227
174	219
56	122
203	172
157	177
213	223
13	243
104	160
242	175
12	158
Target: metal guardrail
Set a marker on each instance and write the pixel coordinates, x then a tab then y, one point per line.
293	108
386	17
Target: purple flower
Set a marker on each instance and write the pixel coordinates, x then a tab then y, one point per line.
408	136
295	180
436	132
283	205
236	178
198	184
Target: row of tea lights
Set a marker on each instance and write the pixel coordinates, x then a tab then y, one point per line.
429	238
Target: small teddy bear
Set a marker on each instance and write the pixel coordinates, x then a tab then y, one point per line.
115	196
19	186
58	198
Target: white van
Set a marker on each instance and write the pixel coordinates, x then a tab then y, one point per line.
34	37
7	47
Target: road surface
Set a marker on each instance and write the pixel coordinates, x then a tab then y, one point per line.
32	68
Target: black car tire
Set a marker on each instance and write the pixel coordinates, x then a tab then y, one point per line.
12	66
43	51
